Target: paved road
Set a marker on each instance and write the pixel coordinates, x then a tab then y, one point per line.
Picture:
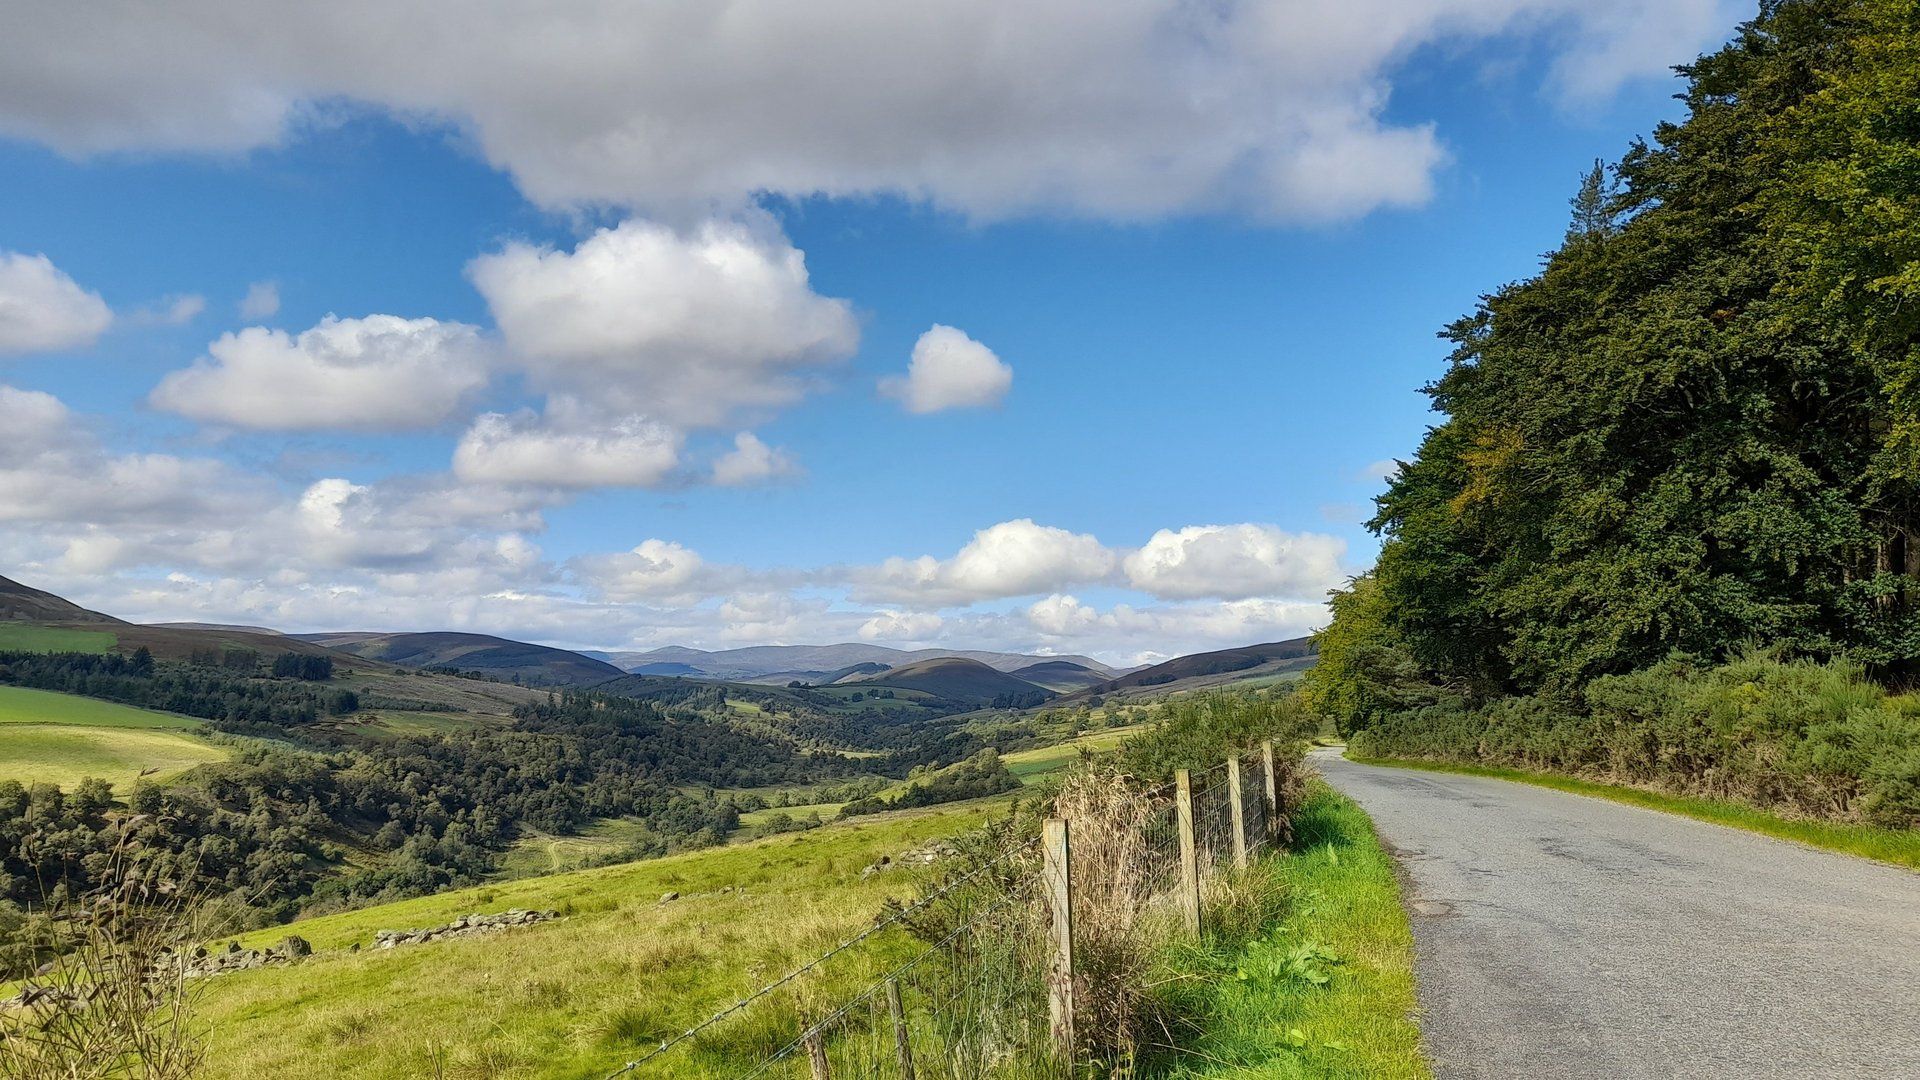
1564	937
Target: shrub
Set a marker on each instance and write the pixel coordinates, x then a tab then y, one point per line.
1802	736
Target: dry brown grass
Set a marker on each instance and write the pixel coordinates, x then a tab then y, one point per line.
1118	922
115	1003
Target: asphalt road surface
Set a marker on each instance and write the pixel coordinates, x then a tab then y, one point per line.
1559	936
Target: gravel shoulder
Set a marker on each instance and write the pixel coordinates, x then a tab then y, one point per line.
1568	937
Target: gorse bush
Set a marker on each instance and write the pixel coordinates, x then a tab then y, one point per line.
1813	738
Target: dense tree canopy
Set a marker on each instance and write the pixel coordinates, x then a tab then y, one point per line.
1695	427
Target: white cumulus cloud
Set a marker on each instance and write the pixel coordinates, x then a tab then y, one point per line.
890	625
170	311
654	570
54	472
380	373
752	461
949	370
1113	108
1013	558
262	301
44	310
1235	562
1065	622
685	328
567	449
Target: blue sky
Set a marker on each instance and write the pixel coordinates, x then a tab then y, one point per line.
533	353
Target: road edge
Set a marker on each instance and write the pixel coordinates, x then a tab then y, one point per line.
1890	847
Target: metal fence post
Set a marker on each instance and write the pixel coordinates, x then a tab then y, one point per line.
1237	808
1189	854
1056	873
1272	792
900	1041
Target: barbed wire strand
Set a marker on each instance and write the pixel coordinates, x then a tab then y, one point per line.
863	935
875	987
1200	782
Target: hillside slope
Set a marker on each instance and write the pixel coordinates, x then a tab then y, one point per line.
1273	657
21	603
534	665
956	678
578	996
1061	675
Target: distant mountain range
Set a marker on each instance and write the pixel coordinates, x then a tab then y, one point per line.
814	663
955	675
240	628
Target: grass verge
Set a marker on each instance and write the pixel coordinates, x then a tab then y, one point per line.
1329	992
1898	846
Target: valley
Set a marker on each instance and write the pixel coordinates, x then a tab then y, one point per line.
689	836
357	768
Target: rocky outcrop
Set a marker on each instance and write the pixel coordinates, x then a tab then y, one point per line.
198	964
925	856
204	962
463	926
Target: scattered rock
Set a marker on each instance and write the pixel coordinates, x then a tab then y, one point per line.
462	927
925	856
668	899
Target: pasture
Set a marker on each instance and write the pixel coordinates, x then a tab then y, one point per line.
576	997
62	739
22	637
1031	765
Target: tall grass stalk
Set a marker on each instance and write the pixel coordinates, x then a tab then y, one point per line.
116	1002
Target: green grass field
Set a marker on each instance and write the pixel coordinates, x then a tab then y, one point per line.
62	739
826	810
20	637
544	854
574	998
36	754
1898	846
22	706
1344	923
1031	765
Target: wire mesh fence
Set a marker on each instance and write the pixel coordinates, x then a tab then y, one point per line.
965	983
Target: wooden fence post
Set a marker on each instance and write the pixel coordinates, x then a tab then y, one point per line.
1234	797
1273	790
1056	876
900	1040
816	1044
1189	854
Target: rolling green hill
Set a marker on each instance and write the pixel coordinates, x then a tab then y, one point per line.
532	665
1063	676
1271	658
957	679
